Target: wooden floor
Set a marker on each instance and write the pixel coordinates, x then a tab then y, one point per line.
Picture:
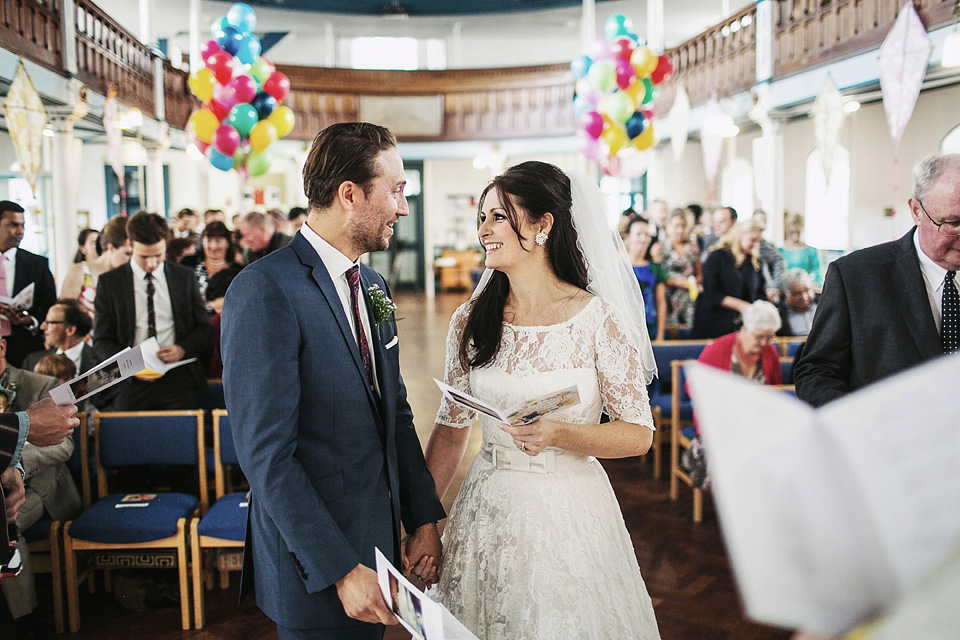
684	565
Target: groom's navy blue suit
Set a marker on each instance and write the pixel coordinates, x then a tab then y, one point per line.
333	469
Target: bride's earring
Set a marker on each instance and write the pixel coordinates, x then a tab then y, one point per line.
540	238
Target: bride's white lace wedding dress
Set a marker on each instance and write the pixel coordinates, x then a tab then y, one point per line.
530	554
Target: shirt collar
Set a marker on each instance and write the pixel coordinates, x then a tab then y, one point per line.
73	352
335	262
10	253
139	273
933	272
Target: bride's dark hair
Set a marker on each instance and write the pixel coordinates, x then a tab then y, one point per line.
531	189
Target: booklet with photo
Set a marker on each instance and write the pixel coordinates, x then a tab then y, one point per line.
521	414
103	376
832	514
135	500
154	367
23	300
421	616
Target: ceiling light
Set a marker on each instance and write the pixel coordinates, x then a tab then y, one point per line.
851	106
48	131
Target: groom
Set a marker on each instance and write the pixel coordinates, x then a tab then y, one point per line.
319	412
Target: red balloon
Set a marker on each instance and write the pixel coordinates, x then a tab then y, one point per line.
663	71
218	109
622	48
277	85
625	73
226	139
221	64
209	48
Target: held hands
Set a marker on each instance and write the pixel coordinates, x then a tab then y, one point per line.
13	492
534	437
360	595
50	424
171	354
422	553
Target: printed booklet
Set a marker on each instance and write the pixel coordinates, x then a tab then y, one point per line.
523	413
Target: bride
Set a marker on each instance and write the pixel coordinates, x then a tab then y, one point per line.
535	546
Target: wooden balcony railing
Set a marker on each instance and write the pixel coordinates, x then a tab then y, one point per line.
179	101
31	28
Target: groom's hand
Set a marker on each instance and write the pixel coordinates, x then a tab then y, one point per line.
422	553
360	595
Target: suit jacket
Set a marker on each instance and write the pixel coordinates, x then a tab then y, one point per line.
334	470
31	387
115	321
9	440
873	320
36	269
88	359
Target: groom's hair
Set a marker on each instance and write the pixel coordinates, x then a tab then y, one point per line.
340	153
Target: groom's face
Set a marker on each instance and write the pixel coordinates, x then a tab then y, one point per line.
381	205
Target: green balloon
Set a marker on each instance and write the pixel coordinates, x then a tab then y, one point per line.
647	91
261	69
242	117
602	75
617	106
258	162
238	157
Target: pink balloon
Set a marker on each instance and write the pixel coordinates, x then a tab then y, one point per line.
209	48
592	123
245	88
224	95
625	73
226	139
589	147
600	49
622	48
277	85
611	165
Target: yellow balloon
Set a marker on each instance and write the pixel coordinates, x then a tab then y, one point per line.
201	84
283	120
204	124
262	135
643	61
614	138
644	140
636	91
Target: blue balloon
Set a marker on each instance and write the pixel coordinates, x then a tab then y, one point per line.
580	66
218	160
217	27
242	17
230	40
581	105
249	49
264	103
635	125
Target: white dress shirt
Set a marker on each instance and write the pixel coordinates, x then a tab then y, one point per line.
162	308
74	353
934	277
337	265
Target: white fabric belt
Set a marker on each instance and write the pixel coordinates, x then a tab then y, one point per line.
512	459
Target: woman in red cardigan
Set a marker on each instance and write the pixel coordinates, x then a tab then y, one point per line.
747	352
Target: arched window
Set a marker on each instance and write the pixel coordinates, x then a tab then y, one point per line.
827	204
736	187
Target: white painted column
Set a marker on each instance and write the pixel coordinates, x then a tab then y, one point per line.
764	47
655	37
588	23
68	28
64	190
770	187
156	202
146	31
331	41
456	46
196	61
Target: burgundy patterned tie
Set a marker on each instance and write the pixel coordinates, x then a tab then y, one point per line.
353	278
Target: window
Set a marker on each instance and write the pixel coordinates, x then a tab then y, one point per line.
827	208
405	54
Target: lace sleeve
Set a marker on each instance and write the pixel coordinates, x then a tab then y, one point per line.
621	374
455	375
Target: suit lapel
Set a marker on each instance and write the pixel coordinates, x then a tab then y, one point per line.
128	306
911	291
384	377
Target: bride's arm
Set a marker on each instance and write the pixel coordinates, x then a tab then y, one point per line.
616	439
444	452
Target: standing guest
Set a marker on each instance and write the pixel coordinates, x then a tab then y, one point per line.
894	305
319	412
556	307
771	261
81	279
732	279
65	331
626	217
180	248
797	306
19	269
185	224
657	212
216	215
216	254
797	253
721	220
650	275
150	298
681	262
297	216
88	245
260	234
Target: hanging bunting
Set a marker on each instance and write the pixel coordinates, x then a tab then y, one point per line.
903	60
828	117
679	123
26	118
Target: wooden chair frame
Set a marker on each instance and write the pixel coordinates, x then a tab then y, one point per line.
199	543
178	541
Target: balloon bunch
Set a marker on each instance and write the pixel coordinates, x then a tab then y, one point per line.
241	93
616	86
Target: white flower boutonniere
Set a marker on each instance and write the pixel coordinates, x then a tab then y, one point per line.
383	306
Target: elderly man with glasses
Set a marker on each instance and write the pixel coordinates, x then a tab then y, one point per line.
892	306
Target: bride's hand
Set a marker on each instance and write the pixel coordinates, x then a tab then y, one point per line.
533	437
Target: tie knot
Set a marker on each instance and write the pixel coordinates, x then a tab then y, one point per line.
353	275
149	276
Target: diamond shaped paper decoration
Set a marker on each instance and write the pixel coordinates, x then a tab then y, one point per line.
711	140
679	123
903	60
827	122
26	118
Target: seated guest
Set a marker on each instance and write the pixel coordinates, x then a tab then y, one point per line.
650	274
65	331
747	352
216	291
216	254
56	365
732	279
797	306
260	235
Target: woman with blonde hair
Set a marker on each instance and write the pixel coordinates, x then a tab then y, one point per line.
81	279
797	253
732	279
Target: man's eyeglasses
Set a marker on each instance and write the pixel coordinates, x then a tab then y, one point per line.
54	322
951	228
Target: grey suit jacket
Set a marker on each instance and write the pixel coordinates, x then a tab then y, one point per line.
873	320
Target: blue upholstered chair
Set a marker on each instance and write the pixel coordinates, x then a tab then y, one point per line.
786	370
790	345
146	532
224	526
659	390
